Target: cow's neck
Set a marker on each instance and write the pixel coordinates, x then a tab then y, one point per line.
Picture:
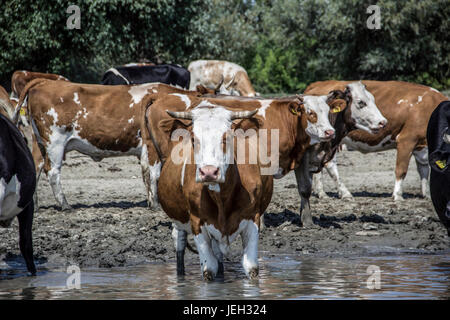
299	141
223	195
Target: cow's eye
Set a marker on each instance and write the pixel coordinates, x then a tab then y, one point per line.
361	104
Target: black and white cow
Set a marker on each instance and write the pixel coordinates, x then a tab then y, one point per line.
17	186
438	137
135	74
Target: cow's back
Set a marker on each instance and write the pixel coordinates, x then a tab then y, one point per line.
168	74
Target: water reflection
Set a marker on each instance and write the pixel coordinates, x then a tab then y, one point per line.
281	277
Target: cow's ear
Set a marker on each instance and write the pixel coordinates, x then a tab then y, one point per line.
171	124
337	105
250	123
296	108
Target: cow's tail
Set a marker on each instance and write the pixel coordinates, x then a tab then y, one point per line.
24	97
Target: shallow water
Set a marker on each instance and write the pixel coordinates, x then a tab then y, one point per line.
281	277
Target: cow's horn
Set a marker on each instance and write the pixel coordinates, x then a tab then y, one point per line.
447	138
180	114
243	114
230	83
219	85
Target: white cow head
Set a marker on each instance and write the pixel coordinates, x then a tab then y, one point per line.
210	123
365	112
319	126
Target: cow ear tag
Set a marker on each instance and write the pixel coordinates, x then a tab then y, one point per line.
336	110
22	111
441	164
293	111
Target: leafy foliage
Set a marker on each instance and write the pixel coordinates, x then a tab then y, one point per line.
284	44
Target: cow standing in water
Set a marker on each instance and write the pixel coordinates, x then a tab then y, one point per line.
171	74
229	77
407	108
207	191
438	138
17	185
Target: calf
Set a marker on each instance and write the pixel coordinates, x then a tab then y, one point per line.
438	138
17	186
20	79
208	194
407	107
229	77
98	121
138	74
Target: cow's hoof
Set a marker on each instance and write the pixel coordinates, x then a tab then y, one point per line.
308	223
208	275
253	274
66	208
346	196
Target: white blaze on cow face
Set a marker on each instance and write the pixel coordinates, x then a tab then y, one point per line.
209	126
320	130
365	112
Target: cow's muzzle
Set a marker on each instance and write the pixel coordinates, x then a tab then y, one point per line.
208	174
379	127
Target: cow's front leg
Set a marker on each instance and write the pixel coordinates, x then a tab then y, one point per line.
405	147
180	241
423	169
219	255
250	236
208	261
304	185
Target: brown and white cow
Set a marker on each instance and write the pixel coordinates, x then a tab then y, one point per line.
407	107
229	77
292	125
20	79
99	121
205	190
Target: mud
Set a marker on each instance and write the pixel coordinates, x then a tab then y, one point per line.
111	225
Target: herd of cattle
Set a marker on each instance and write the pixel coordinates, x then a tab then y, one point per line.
138	107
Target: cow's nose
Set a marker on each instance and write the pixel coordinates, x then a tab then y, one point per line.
382	124
329	133
209	173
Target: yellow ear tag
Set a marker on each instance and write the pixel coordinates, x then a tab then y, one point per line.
294	111
336	110
441	164
22	111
